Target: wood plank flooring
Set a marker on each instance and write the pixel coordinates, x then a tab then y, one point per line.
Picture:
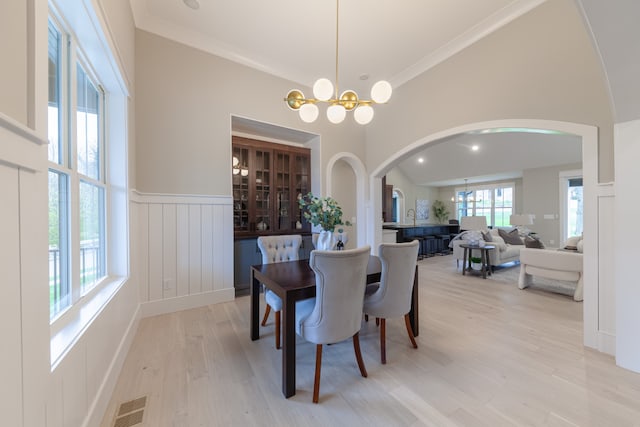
489	355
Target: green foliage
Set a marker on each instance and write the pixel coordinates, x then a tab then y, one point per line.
440	211
321	211
475	260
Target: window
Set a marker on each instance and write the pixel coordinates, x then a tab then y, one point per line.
77	185
492	201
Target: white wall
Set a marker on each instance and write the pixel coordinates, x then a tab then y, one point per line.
540	196
184	250
627	235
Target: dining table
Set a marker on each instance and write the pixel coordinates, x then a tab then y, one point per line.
293	281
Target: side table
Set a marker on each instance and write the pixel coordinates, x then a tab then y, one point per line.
484	258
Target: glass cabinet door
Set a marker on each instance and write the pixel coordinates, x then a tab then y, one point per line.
262	181
283	206
240	183
302	185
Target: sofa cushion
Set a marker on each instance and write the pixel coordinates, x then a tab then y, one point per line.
487	236
533	242
511	237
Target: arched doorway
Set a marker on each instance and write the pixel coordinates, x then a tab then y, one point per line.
589	135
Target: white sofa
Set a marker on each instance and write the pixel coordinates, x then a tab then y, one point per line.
503	253
552	264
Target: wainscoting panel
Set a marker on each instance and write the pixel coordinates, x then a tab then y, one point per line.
606	269
185	246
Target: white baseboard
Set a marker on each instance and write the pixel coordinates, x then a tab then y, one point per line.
170	305
97	409
606	343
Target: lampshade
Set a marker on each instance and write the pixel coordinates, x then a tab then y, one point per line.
381	92
323	89
336	113
521	219
473	223
308	113
363	114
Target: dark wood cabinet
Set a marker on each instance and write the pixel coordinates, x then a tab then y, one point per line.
267	179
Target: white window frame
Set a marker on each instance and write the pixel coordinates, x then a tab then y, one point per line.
492	187
564	177
89	47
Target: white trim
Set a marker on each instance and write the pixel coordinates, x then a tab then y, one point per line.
22	130
589	136
164	198
563	179
98	406
170	305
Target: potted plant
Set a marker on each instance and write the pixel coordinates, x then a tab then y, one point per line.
440	211
323	212
476	262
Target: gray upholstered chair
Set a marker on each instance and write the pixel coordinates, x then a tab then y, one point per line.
335	314
393	296
277	249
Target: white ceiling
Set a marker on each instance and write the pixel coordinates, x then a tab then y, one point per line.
384	39
500	155
296	40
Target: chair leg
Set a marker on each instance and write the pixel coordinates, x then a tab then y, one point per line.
266	315
316	380
407	322
383	338
356	349
277	330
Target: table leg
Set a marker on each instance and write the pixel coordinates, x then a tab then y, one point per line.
483	259
413	313
464	261
288	347
255	307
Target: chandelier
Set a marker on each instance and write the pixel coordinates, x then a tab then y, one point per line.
467	197
324	91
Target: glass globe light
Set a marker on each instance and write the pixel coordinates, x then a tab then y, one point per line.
308	113
336	113
244	172
363	114
381	92
323	89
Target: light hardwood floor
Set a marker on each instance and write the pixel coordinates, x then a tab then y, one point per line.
489	355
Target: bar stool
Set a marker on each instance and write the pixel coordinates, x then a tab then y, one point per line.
420	239
431	245
443	244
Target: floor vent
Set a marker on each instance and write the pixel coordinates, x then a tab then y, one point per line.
131	413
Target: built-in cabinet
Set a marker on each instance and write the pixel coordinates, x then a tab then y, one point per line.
267	179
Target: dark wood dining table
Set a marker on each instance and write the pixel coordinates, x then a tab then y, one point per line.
294	281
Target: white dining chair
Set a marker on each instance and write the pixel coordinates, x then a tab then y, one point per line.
277	249
392	298
335	313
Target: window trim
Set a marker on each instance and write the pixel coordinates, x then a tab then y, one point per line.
489	186
90	46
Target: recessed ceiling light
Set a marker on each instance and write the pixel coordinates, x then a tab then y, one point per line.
420	160
364	76
193	4
475	148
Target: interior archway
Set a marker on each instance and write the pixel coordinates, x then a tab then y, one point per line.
361	190
589	136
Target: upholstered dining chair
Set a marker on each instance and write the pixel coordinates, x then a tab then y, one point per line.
393	295
277	249
335	313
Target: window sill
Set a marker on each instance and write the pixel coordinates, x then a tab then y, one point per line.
77	321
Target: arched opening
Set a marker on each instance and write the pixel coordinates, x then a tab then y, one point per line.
360	173
589	136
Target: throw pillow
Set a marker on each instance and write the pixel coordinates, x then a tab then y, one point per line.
487	236
511	237
533	242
